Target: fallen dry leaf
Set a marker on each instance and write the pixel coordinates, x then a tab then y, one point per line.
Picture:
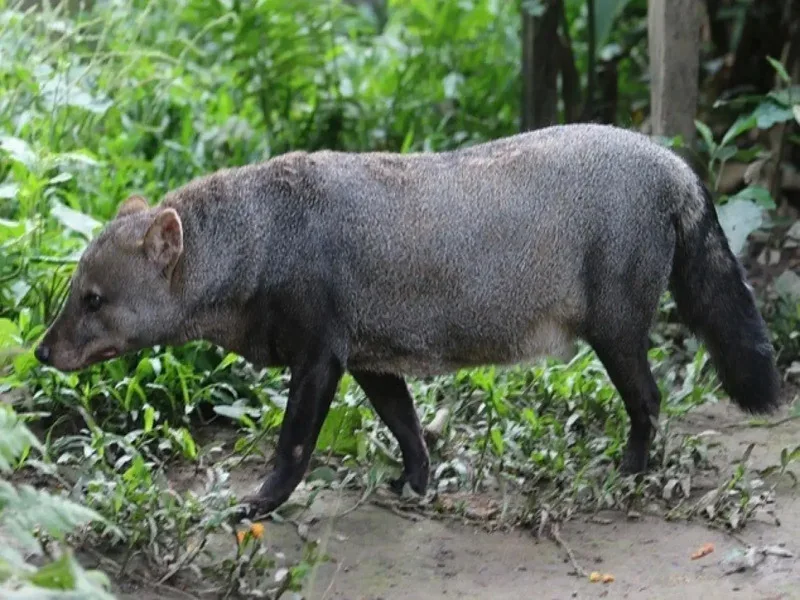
608	578
704	550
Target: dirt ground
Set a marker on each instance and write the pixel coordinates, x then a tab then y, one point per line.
379	554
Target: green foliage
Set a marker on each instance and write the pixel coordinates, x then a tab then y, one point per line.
26	516
140	96
606	12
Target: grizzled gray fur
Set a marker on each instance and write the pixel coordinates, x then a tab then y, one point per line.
388	265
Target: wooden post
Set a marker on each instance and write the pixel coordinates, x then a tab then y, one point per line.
673	28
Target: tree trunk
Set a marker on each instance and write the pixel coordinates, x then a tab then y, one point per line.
720	37
608	79
763	34
540	67
674	46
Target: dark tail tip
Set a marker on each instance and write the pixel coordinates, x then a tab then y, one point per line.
749	375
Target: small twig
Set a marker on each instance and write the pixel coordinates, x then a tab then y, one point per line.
556	535
284	586
384	451
333	579
768	424
486	441
367	493
130	553
114	565
731	534
184	560
393	508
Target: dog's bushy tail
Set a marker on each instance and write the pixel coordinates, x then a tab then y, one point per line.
709	287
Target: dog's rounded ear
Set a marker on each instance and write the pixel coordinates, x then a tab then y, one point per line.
132	205
163	241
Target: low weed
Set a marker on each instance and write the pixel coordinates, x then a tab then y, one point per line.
140	453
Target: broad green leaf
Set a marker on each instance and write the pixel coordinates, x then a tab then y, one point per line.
739	218
497	441
149	418
57	93
723	153
8	191
27	509
56	575
605	13
769	113
9	334
742	124
11	230
338	430
18	149
185	441
323	473
796	111
67	159
15	440
756	193
787	96
705	133
188	444
231	411
60	178
74	220
226	362
24	363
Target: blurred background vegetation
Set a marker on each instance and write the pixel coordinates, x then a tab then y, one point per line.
102	99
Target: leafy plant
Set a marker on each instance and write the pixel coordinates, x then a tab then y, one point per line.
27	516
139	96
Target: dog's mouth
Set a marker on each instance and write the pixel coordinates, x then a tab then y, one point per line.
67	358
103	354
106	353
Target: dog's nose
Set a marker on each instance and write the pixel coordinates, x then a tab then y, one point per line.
42	354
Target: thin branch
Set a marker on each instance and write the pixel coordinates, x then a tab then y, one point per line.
556	535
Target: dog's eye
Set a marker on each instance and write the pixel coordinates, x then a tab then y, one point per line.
92	301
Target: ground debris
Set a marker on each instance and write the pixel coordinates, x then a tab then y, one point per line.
702	551
739	561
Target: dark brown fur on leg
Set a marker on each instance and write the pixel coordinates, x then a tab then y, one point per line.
311	391
629	370
393	402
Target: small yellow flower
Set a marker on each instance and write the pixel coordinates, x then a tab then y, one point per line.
257	529
594	577
240	535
